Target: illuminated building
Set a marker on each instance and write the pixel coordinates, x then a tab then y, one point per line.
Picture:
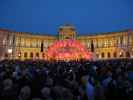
22	45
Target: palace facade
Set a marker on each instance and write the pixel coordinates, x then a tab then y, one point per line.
22	45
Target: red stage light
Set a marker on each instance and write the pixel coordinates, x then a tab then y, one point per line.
68	50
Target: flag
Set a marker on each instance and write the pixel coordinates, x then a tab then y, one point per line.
42	46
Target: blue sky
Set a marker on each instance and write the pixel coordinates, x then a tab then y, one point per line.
45	16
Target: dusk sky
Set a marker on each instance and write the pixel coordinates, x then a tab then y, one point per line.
45	16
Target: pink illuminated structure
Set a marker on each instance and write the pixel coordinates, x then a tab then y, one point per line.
67	50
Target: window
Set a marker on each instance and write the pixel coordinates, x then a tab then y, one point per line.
115	54
121	54
88	44
4	42
38	43
19	54
97	55
108	54
25	54
127	54
43	55
106	43
31	55
100	44
27	41
22	42
110	43
6	55
37	54
102	54
33	43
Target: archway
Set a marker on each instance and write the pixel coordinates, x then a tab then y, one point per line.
127	54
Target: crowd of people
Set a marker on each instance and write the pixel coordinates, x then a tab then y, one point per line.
73	80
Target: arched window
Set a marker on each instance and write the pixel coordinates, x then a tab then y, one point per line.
97	55
102	54
37	54
115	54
25	54
43	55
19	54
109	55
6	55
31	55
121	54
127	54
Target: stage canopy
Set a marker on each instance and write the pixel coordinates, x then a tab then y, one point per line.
67	50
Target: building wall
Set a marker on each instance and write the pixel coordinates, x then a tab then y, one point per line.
2	43
110	45
28	46
6	43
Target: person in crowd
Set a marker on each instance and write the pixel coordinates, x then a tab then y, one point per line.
60	80
25	93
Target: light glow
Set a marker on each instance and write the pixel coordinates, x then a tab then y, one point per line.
67	50
9	51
